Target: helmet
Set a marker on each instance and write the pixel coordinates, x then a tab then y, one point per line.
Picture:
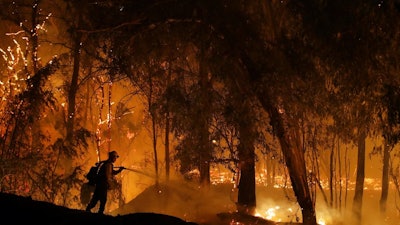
113	154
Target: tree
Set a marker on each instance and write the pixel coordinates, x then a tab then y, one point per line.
390	129
23	137
352	48
246	56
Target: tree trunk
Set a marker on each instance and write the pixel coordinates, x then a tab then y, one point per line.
331	174
153	127
204	115
167	159
34	42
385	177
247	184
167	130
205	154
295	161
73	88
358	195
154	133
289	141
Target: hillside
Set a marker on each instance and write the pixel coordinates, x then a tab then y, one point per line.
23	210
161	205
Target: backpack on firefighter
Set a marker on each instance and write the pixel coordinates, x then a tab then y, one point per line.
93	173
87	188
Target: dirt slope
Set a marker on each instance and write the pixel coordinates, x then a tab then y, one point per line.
23	210
173	204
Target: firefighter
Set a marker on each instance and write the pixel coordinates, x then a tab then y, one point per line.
104	182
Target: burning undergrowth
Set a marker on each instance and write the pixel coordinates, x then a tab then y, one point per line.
207	205
183	200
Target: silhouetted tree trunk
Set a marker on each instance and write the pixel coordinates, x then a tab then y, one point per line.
73	87
331	174
153	126
358	195
34	41
205	147
167	130
247	184
167	151
72	92
385	177
294	158
154	132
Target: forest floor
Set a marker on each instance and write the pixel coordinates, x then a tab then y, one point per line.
172	204
159	205
214	205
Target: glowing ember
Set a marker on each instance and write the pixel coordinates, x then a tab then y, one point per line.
234	222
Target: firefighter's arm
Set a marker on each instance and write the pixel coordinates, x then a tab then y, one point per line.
115	172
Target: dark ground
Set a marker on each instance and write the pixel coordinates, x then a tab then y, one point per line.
23	210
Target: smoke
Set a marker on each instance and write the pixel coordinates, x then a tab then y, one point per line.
182	199
371	215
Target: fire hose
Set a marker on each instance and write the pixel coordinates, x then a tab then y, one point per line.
136	171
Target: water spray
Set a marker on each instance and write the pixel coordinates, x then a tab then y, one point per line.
136	171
